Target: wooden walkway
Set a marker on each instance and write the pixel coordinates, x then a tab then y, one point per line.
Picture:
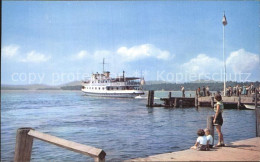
244	150
233	102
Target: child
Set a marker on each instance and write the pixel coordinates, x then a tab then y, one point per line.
201	143
209	138
218	120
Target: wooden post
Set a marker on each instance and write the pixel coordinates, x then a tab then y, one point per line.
176	102
210	126
170	95
212	101
238	102
181	103
196	100
257	112
150	98
23	146
99	160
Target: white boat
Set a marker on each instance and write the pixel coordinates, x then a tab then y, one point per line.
251	107
102	85
141	97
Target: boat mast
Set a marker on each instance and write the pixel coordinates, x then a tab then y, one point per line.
103	65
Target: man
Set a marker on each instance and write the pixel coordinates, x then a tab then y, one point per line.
183	91
204	91
207	91
198	91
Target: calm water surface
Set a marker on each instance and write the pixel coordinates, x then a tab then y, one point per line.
124	128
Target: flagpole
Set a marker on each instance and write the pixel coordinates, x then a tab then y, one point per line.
224	21
224	62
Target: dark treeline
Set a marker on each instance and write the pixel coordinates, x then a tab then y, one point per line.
76	87
216	86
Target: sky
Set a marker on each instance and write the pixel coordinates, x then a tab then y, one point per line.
54	43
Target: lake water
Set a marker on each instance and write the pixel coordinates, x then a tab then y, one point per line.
124	128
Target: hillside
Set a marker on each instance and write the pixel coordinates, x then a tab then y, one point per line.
150	85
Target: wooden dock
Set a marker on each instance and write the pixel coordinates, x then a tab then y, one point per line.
244	150
233	102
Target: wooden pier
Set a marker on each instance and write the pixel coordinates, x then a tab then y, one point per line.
233	102
244	150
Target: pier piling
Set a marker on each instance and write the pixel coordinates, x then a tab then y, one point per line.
257	113
150	98
23	146
210	126
238	102
212	101
196	100
176	104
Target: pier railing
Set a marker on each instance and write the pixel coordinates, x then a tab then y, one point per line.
24	142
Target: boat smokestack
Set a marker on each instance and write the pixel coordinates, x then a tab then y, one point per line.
123	75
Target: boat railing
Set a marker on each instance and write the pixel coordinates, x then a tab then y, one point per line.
24	143
117	84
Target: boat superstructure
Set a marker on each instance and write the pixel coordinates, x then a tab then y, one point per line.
102	85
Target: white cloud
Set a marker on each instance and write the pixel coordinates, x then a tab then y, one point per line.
142	51
241	61
202	64
82	54
10	51
35	57
97	55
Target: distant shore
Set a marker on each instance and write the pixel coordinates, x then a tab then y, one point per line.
162	86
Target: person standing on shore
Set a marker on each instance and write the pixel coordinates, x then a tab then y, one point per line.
235	90
204	91
218	120
199	91
207	91
183	91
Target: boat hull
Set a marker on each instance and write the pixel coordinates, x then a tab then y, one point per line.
115	95
250	107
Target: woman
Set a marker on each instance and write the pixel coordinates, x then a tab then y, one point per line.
218	120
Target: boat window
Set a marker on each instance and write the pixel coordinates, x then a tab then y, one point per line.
107	88
98	88
103	88
111	88
95	87
117	88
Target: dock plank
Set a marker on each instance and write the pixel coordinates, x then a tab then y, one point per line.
244	150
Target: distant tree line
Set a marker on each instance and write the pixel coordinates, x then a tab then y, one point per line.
76	87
